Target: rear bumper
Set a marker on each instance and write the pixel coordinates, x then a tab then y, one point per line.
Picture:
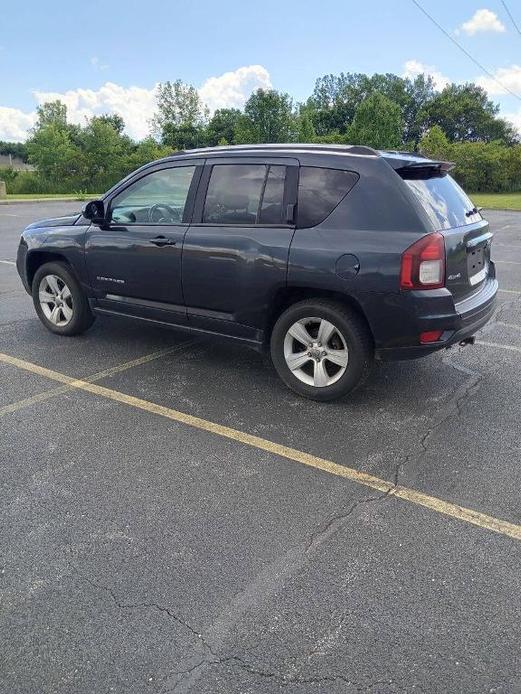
469	316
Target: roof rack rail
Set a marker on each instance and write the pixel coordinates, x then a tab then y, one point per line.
351	149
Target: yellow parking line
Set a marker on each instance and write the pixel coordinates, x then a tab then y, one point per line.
434	504
53	392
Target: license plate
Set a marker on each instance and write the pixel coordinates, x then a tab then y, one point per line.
477	265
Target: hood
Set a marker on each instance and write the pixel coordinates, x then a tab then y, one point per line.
55	222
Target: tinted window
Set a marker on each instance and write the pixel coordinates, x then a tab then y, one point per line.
272	200
158	198
442	199
245	194
320	191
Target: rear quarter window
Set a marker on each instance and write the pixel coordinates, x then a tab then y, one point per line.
445	202
319	191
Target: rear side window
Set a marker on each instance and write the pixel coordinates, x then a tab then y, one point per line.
245	194
445	203
319	192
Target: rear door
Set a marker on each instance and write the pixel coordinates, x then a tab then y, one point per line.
467	235
235	252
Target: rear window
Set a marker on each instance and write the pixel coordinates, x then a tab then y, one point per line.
319	192
441	197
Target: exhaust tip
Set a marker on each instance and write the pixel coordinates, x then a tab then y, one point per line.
467	341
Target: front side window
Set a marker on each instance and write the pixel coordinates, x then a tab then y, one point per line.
319	192
245	194
158	198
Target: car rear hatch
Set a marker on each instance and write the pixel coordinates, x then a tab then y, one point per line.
450	212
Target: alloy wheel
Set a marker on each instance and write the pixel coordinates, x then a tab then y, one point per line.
55	300
316	352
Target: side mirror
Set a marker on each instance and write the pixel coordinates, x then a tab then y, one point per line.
95	211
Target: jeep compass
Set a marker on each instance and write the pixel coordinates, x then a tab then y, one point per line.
327	256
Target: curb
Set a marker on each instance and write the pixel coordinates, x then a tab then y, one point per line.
500	209
32	201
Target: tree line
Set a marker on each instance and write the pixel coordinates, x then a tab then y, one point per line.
384	111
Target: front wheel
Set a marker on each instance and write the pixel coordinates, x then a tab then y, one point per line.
59	300
321	350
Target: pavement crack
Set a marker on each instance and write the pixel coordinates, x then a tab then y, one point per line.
453	407
336	521
297	679
151	605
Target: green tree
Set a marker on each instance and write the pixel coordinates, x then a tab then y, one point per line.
304	126
268	117
222	126
332	138
103	153
481	166
143	152
466	114
181	115
15	149
336	97
51	112
113	119
52	151
434	144
377	123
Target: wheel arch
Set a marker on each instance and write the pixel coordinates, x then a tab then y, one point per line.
288	296
35	259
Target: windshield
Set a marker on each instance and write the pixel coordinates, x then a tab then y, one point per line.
446	204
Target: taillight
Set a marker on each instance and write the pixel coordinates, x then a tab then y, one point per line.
423	264
430	336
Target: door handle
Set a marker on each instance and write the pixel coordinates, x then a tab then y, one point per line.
162	241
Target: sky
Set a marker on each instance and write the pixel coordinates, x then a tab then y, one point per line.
108	56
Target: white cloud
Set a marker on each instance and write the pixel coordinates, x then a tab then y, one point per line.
413	68
514	118
481	21
233	88
97	64
136	105
14	124
510	77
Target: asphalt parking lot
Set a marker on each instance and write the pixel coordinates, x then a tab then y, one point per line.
178	521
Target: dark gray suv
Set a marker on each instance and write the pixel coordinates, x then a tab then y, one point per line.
329	256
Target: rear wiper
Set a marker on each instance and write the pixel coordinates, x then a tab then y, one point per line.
474	210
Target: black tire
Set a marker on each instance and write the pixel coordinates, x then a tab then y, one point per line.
349	327
82	317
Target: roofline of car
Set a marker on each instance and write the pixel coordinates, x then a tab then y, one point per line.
397	159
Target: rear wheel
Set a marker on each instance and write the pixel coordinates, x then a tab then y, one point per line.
59	300
321	349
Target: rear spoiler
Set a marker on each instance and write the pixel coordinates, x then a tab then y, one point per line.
411	161
424	169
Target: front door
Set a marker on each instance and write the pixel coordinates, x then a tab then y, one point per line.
134	260
235	252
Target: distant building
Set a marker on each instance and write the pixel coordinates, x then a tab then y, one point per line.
7	161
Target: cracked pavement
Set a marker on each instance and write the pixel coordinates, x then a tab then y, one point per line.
139	555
